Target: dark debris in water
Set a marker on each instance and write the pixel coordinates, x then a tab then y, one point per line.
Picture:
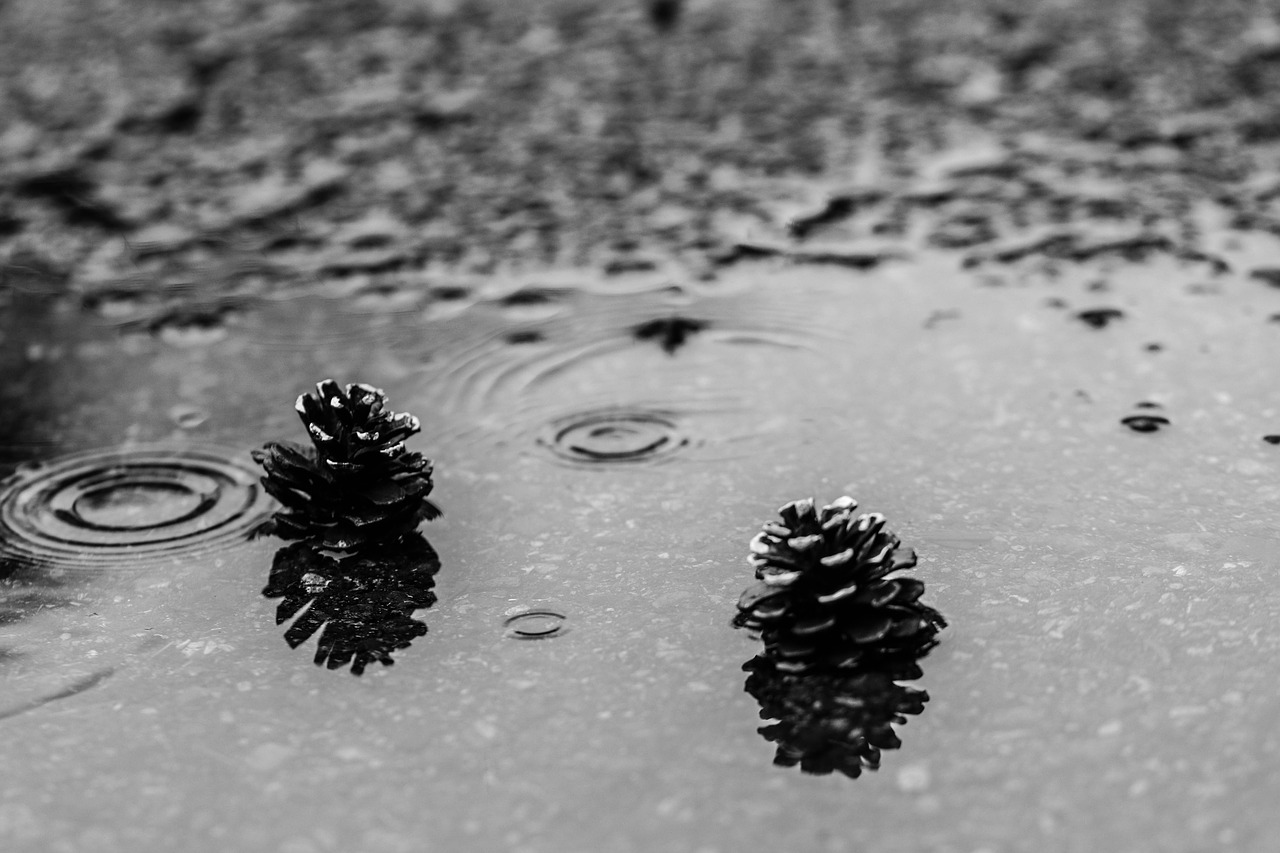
361	604
743	252
1272	439
628	266
837	209
77	196
187	325
531	296
670	333
861	261
1099	318
453	293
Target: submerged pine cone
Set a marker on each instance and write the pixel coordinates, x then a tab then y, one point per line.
357	486
827	594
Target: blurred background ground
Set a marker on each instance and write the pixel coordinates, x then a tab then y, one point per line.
929	253
389	137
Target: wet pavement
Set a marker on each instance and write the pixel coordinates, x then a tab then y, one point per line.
1042	355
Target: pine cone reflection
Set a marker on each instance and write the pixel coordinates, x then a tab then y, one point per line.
834	721
362	604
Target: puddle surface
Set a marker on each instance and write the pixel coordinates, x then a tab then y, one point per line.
625	352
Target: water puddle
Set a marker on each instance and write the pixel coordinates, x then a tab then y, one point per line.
946	293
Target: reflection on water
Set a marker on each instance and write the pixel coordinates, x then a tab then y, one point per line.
835	720
361	604
841	626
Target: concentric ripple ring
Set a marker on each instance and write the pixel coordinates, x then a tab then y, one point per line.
119	508
615	436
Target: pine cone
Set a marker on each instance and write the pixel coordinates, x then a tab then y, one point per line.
358	485
825	598
837	720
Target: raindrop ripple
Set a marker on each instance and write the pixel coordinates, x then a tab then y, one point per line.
538	624
121	508
615	436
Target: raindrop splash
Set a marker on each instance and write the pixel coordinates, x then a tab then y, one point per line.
1147	418
535	624
127	507
615	436
187	416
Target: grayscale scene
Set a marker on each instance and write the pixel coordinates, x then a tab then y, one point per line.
639	426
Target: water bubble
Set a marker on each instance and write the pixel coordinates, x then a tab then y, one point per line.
188	417
615	436
1147	419
533	624
128	506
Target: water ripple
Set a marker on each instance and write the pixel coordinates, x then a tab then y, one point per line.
126	507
